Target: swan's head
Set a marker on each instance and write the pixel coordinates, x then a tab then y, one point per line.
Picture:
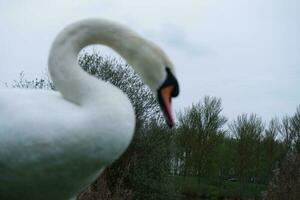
165	92
156	69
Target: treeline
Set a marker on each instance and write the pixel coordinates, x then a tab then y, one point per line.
205	155
248	150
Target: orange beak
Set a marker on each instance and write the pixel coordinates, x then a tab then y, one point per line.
166	94
167	90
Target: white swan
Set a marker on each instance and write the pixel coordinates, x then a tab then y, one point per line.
53	144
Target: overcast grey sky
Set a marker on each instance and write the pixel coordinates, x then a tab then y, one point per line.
246	52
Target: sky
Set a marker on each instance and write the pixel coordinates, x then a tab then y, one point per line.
244	52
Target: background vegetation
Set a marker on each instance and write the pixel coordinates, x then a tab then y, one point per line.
206	156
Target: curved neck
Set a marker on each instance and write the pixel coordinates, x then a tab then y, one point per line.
68	77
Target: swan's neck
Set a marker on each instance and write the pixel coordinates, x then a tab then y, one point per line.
73	83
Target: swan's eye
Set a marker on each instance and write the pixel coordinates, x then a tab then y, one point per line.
165	93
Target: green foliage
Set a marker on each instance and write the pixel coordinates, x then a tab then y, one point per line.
270	150
199	135
248	133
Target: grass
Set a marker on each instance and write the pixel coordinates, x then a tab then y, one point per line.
193	187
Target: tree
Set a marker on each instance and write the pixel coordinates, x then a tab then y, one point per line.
290	131
295	130
270	148
122	76
285	132
199	133
248	132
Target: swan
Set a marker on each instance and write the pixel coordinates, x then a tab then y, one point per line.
53	144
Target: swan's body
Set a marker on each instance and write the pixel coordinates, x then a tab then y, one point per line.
38	162
53	144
